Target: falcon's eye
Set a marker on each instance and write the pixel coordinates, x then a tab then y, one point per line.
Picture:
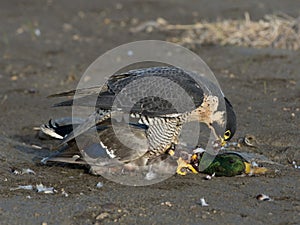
227	134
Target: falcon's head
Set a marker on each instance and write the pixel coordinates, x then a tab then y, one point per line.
218	125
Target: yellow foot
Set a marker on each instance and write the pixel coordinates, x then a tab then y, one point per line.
249	169
182	165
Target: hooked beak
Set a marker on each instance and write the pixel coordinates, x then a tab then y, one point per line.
223	142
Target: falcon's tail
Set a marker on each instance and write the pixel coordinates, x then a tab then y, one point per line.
66	129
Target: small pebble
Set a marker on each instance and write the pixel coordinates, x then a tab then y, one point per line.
67	27
64	193
99	185
119	6
37	32
209	177
102	216
294	163
166	203
31	91
14	78
81	14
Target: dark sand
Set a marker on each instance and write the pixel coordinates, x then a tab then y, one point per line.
262	84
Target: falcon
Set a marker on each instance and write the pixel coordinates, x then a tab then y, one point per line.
147	108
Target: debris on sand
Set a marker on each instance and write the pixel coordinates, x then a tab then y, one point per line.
44	189
203	202
64	193
40	188
263	197
36	146
169	204
150	25
23	171
294	163
276	30
22	187
209	177
99	185
102	216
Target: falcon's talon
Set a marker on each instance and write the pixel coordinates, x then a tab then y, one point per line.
181	165
191	168
180	172
184	165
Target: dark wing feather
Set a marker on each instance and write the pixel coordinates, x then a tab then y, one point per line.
136	91
154	92
79	92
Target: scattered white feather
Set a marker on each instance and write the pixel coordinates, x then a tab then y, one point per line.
46	190
263	197
22	187
199	150
64	193
50	132
109	152
203	202
150	175
209	177
99	185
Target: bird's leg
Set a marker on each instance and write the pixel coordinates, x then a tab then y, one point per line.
171	149
183	165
